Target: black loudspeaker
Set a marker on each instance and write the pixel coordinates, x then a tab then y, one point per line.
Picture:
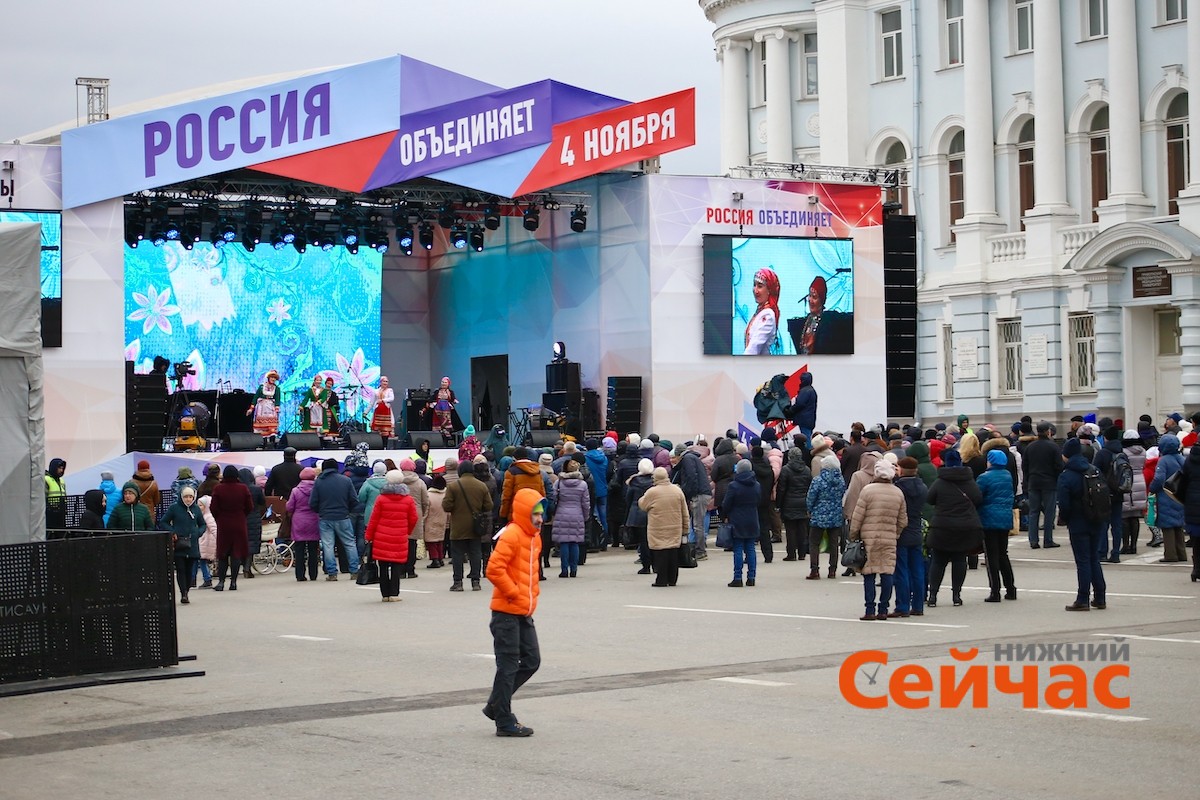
235	442
433	437
302	441
374	440
900	313
563	376
544	438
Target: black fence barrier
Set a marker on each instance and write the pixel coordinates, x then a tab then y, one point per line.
85	605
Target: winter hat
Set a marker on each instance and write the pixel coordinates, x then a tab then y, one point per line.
1112	432
654	437
451	462
422	466
951	458
395	476
743	466
327	464
1072	448
891	457
633	439
379	468
308	474
184	472
1016	427
479	459
961	419
645	466
545	459
609	443
666	444
106	476
884	469
470	431
1131	436
941	426
592	444
680	449
660	475
769	435
997	458
795	453
871	434
831	463
756	451
756	441
742	450
1043	427
1026	428
408	465
908	465
949	439
931	434
259	471
645	445
143	464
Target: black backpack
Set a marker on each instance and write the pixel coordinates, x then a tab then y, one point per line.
1097	497
1120	474
771	401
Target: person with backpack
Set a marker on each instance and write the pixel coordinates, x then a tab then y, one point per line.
1169	513
1084	508
1118	474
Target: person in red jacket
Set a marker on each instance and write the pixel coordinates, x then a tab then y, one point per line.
392	519
513	571
230	504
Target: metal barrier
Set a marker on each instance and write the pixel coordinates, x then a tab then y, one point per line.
86	605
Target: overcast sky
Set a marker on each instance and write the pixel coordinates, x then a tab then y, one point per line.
632	49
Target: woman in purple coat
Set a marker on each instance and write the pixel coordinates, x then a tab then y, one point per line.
571	513
230	504
305	533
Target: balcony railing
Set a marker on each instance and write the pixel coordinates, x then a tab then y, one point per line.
1007	247
1077	236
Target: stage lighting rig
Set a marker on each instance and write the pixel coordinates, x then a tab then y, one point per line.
171	231
491	218
404	238
531	220
158	238
458	235
550	204
425	235
476	238
579	219
189	234
349	235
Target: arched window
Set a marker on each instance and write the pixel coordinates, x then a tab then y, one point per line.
1177	150
1025	187
1098	141
897	157
954	169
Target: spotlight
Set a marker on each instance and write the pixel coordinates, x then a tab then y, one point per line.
550	204
560	352
476	238
171	231
277	242
299	241
251	235
289	234
189	234
313	236
132	238
227	231
531	218
458	236
349	235
425	235
445	217
579	219
159	238
218	241
377	240
404	237
491	218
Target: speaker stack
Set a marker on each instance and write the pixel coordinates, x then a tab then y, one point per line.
374	440
146	407
900	313
541	439
241	442
624	410
301	441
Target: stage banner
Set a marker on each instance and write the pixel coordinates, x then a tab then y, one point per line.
610	139
217	134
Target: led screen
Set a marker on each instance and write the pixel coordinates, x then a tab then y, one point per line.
51	268
778	296
234	315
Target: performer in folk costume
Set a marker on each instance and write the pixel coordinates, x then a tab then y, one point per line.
314	413
332	401
444	402
762	331
382	420
266	406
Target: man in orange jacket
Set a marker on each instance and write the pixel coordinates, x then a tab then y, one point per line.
513	571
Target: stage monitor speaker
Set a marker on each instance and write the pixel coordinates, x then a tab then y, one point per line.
433	437
237	442
374	440
544	438
302	441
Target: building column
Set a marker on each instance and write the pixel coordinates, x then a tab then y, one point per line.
1110	362
1049	147
1189	352
1189	198
735	103
778	94
1127	199
845	79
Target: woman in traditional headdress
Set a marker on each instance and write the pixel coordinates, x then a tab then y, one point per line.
266	406
314	416
762	330
382	420
443	407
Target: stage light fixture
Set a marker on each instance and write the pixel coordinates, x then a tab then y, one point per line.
425	235
251	235
531	219
476	238
288	233
458	236
445	217
313	235
491	218
158	238
228	231
299	241
218	241
404	238
579	219
352	249
349	235
189	233
171	231
277	242
131	238
551	204
377	240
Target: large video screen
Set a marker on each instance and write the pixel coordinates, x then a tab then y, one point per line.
234	315
768	295
51	269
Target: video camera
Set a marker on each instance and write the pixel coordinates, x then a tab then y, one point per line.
181	370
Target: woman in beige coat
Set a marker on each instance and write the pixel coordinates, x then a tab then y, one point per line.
667	524
879	516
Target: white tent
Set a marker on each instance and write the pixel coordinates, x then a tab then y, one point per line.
22	425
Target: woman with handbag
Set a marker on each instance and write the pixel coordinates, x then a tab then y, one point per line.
185	521
392	521
667	524
955	530
825	515
880	514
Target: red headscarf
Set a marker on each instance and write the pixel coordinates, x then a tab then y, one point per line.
771	281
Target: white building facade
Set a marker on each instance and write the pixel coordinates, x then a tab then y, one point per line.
1049	164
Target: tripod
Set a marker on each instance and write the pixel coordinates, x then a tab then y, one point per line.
518	427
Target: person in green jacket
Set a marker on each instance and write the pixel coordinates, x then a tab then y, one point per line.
130	515
186	521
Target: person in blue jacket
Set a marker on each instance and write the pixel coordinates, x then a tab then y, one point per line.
1083	532
995	514
1169	513
804	408
740	508
111	491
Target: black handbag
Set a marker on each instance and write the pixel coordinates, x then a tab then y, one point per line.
1175	486
687	555
725	535
855	556
368	570
481	521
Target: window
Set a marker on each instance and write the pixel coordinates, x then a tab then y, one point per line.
1025	186
1096	24
947	362
1174	10
1008	332
1177	150
954	32
1167	325
897	157
1098	140
760	73
893	45
808	63
1023	26
1081	341
954	166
